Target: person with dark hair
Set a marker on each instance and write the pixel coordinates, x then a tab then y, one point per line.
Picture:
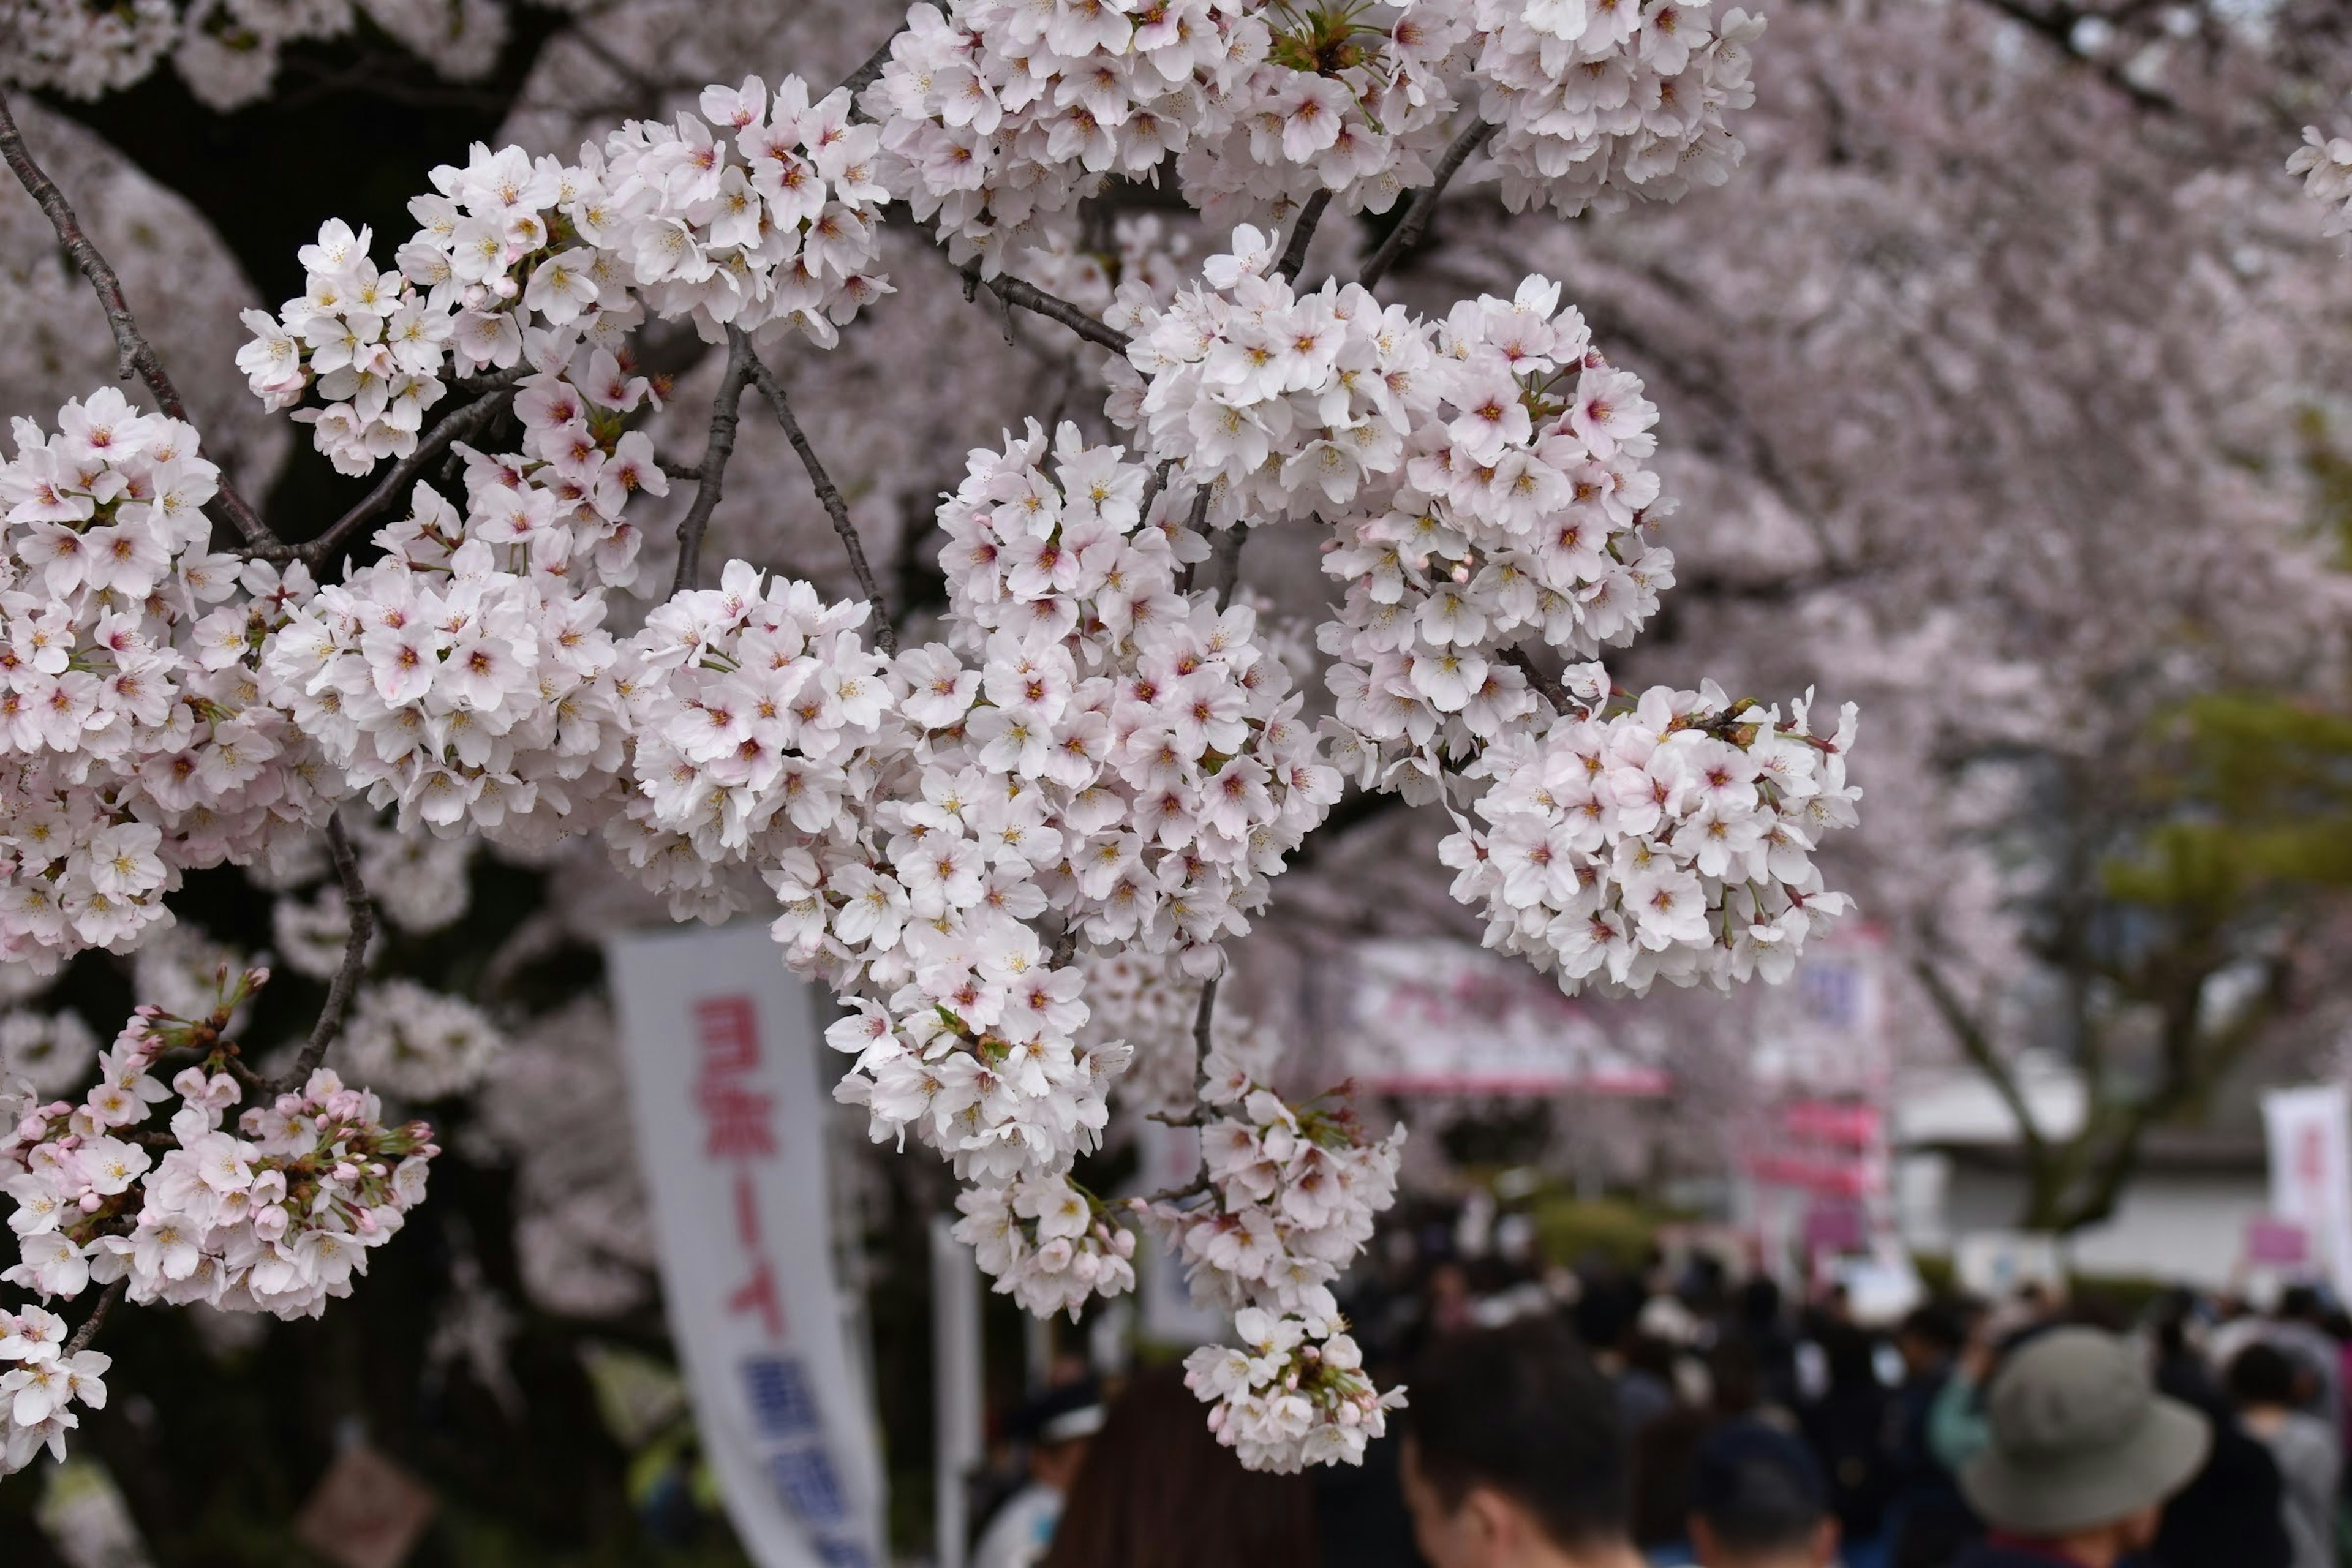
1927	1519
2264	1384
1054	1428
2231	1511
1846	1425
1759	1501
2298	1328
1514	1456
1156	1491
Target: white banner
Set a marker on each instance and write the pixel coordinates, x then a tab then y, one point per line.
721	1044
2310	1136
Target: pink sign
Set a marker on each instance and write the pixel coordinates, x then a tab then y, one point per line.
2277	1244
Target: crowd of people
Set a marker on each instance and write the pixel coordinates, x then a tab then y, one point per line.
1609	1418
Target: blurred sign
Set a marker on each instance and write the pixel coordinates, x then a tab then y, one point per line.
1823	1034
2310	1136
1168	1158
1998	1264
2277	1244
721	1049
1444	1018
367	1511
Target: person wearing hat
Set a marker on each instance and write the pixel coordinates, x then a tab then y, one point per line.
1055	1426
1759	1501
2083	1452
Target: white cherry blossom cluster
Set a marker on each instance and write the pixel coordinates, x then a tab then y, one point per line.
761	723
1292	1394
370	346
418	1042
1665	838
1282	403
1047	1243
1153	1006
44	1380
51	1051
1291	1190
131	742
1522	511
274	1218
1350	102
84	48
782	234
767	223
2324	162
471	697
1601	102
997	117
226	50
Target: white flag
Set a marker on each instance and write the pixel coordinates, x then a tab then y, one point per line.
2310	1136
721	1047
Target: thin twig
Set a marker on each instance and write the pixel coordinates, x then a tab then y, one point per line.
1301	234
1154	485
1192	1189
711	473
347	978
89	1325
1195	523
1029	297
1406	234
827	492
1205	1016
1224	560
390	490
133	355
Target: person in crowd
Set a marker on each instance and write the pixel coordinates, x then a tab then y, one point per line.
2081	1453
1056	1428
1514	1456
1759	1501
2299	1328
1846	1425
1156	1491
2230	1512
1927	1519
2266	1387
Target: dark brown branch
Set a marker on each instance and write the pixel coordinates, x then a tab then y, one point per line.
1192	1189
347	978
1029	297
1407	233
1154	485
1551	690
711	472
1302	233
133	355
388	491
97	1318
827	492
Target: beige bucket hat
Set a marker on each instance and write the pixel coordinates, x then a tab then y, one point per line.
2080	1437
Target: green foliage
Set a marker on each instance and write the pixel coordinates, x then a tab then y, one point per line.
2254	802
1571	1231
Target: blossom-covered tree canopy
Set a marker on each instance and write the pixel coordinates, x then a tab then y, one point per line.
1015	831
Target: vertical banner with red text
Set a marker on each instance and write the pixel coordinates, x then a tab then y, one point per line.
730	1110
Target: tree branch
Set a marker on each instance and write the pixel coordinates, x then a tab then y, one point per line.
827	492
91	1325
1407	233
711	472
1029	297
1979	1048
1302	233
133	355
347	978
389	490
1551	690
